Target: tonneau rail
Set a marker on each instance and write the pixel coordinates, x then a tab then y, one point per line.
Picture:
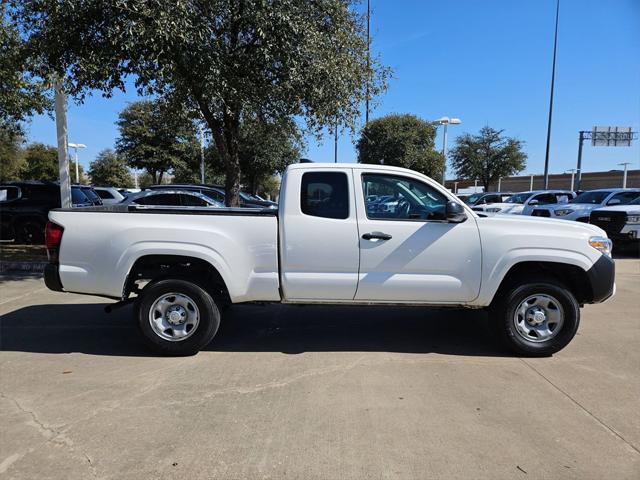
173	210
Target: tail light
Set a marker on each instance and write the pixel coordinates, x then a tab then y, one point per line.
53	237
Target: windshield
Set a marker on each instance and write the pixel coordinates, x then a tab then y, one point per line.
594	198
518	198
247	197
473	198
635	202
77	196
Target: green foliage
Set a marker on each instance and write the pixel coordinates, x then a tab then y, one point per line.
403	141
108	169
21	94
266	149
269	187
487	156
156	136
11	156
41	163
223	58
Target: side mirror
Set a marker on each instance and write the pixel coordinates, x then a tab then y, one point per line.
455	212
614	201
533	202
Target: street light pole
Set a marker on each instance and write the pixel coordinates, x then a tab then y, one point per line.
201	154
75	147
366	112
573	172
624	175
531	183
445	121
553	81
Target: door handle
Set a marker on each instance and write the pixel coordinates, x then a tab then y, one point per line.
376	236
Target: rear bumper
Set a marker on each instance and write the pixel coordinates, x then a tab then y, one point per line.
602	277
52	278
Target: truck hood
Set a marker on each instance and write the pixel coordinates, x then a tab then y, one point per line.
635	209
540	223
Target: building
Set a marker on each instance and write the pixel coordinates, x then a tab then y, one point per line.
590	181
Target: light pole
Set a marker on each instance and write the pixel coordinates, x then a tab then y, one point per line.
455	187
63	151
446	121
572	171
75	147
553	81
531	182
624	175
201	154
499	184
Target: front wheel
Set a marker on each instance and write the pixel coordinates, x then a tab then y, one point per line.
537	319
176	317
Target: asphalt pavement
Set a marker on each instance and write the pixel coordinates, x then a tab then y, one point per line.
314	393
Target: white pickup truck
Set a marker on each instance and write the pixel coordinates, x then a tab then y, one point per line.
327	244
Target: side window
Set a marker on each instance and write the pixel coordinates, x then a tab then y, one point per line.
624	197
215	195
546	198
192	201
403	199
8	194
104	194
492	199
162	199
325	194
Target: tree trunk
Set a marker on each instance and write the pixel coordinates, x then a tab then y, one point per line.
160	177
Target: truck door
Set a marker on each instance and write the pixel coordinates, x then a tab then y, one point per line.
318	235
408	251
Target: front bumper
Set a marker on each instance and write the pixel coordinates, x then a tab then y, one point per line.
52	278
602	278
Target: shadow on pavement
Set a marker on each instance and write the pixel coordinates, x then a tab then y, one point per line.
86	328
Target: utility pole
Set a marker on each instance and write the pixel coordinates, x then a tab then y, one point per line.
63	152
531	183
335	144
366	112
624	175
499	184
581	138
553	81
201	154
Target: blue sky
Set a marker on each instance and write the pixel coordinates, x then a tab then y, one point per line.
487	62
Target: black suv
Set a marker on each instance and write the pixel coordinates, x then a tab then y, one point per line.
24	208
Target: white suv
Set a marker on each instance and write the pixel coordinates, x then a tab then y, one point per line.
580	207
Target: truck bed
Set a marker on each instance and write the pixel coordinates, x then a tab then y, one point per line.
101	245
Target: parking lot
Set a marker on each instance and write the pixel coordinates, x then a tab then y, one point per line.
314	392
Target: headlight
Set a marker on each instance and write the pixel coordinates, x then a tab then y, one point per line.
564	211
601	243
635	219
493	210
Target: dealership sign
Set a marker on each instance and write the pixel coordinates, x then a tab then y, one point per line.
611	136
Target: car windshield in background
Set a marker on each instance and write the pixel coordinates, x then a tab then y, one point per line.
518	198
77	196
473	198
635	202
594	198
247	197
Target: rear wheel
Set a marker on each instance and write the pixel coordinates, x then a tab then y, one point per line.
537	319
176	317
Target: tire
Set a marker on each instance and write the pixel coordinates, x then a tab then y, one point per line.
524	331
30	232
176	317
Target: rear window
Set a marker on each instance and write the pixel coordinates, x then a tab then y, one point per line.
325	194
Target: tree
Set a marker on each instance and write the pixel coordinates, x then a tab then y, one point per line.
108	169
156	136
223	58
266	149
41	163
400	140
11	155
21	94
487	156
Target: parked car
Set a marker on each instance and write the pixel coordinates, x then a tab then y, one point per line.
109	195
621	222
484	198
581	207
24	207
171	198
524	202
91	194
322	246
217	193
